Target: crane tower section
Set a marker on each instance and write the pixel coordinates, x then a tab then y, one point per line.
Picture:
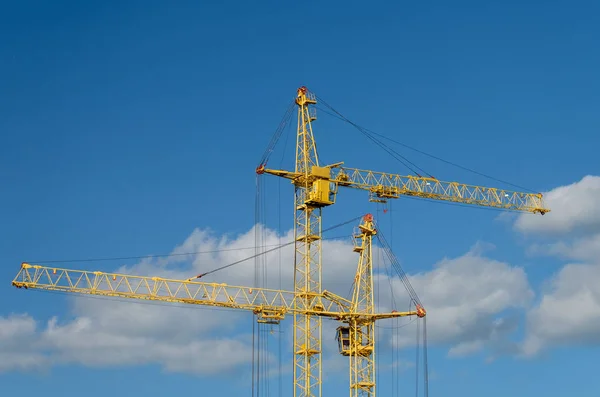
361	330
310	196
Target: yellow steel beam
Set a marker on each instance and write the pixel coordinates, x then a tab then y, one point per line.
265	302
307	370
362	334
262	301
385	185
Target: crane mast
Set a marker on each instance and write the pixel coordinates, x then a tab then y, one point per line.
307	260
361	330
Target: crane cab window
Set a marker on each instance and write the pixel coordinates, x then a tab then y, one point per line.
343	338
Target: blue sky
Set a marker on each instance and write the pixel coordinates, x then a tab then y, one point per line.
135	129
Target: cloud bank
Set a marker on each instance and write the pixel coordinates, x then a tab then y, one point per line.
464	296
568	312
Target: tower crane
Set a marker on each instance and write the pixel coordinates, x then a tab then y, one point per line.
356	339
316	187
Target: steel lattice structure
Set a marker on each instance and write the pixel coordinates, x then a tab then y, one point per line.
316	187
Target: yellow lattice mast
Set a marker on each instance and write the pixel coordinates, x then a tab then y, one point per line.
361	329
312	193
307	263
357	339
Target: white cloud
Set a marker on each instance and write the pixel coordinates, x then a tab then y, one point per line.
464	296
568	311
18	344
468	301
574	208
466	348
585	248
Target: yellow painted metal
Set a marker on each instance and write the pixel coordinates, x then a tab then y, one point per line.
362	329
316	187
269	304
382	186
310	197
356	340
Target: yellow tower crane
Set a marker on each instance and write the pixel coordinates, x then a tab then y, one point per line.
356	339
316	187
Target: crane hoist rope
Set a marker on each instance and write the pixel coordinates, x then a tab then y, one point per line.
369	134
396	266
285	121
120	258
399	157
421	332
270	250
